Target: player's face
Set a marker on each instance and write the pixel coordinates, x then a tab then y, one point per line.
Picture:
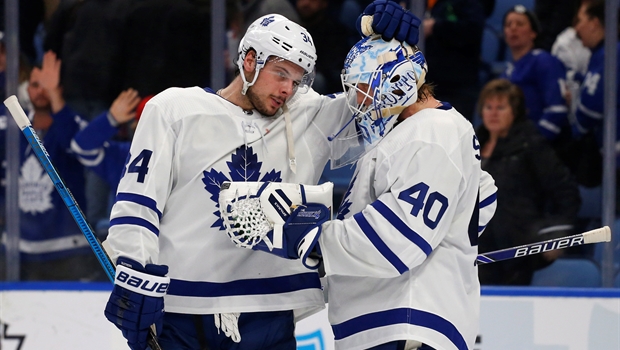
497	115
276	83
364	94
38	96
518	31
585	28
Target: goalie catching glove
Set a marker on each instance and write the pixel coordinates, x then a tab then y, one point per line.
283	219
137	300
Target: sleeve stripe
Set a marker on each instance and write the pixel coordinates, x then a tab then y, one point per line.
546	124
139	199
401	226
75	147
590	113
556	109
379	244
132	220
488	201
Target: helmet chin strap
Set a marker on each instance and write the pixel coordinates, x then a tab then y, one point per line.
246	84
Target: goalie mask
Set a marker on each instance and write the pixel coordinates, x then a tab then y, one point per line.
381	79
275	36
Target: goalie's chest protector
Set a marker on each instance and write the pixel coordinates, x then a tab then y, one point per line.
196	145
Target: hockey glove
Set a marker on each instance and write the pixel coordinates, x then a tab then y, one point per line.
389	19
261	216
137	300
298	237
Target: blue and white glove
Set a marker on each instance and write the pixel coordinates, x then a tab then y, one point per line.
137	300
298	237
389	19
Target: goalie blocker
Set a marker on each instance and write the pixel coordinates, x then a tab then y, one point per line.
283	219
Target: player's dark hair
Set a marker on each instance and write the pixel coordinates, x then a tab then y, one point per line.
425	91
501	88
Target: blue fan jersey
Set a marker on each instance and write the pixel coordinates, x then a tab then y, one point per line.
48	231
542	79
591	103
96	150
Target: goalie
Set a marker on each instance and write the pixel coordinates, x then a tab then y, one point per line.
400	258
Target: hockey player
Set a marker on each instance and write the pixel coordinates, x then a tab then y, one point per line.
400	259
400	262
267	125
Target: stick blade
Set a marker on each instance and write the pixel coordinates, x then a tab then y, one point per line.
602	234
12	104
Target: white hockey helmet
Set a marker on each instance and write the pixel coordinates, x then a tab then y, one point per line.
382	78
275	35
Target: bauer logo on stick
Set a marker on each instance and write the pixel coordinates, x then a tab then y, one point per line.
547	246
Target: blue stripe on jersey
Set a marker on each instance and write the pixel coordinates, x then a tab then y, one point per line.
139	199
481	228
255	286
132	220
489	200
398	316
401	226
374	238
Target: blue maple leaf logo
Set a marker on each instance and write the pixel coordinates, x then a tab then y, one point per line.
244	166
265	22
346	202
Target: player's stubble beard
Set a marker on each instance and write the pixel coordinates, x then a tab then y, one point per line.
258	104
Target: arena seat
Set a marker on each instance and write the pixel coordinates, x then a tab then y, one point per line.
569	272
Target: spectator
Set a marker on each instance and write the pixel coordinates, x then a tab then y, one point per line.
52	246
330	39
453	35
537	198
102	147
569	49
95	146
590	28
539	75
582	156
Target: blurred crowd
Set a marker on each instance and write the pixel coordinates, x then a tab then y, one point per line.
96	62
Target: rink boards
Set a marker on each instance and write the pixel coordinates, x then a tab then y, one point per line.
70	316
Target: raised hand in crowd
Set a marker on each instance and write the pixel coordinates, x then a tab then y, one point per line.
49	79
123	108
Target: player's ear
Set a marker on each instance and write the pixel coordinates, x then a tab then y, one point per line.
249	62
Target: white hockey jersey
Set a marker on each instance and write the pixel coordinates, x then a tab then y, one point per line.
188	142
400	265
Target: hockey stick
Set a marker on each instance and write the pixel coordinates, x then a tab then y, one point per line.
602	234
12	104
